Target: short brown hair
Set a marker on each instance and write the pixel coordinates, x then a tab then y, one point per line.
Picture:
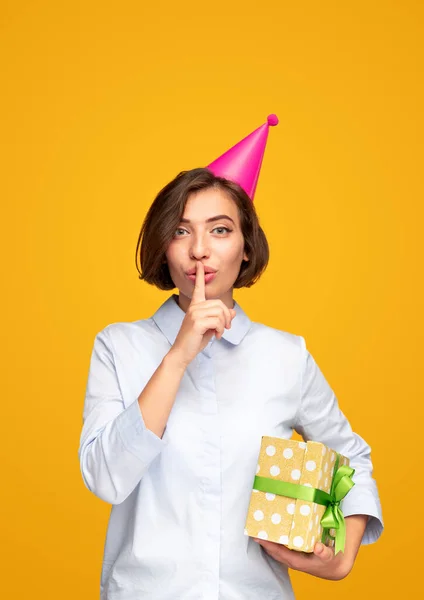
164	216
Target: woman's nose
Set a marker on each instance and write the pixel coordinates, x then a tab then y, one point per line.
199	249
196	255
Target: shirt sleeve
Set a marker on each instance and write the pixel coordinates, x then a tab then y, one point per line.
116	448
320	419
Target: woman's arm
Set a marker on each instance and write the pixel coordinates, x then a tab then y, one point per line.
118	444
158	396
320	419
355	529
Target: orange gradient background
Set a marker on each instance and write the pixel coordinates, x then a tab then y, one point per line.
103	103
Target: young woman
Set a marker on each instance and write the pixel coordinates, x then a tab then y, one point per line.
176	405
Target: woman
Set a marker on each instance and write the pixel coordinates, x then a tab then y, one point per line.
176	406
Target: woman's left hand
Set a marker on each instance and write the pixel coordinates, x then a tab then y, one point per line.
322	562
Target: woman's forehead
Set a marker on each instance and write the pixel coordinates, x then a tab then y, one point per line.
206	204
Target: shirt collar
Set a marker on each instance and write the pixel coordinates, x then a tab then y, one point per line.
169	317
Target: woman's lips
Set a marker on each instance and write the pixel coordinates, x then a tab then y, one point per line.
208	277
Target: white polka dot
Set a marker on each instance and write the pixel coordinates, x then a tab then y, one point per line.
287	453
319	530
269	496
298	541
270	450
316	520
315	507
311	465
258	469
310	525
274	470
320	476
290	508
325	467
307	484
295	474
258	515
262	535
284	539
333	456
292	525
324	450
276	518
302	445
305	510
326	481
313	540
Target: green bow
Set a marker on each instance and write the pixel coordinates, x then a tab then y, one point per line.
333	517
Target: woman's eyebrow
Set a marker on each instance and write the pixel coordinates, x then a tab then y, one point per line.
217	218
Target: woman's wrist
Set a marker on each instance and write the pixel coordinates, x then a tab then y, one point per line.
174	360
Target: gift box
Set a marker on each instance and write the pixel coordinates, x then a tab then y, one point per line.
296	495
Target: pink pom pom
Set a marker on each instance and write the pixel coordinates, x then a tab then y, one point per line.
272	120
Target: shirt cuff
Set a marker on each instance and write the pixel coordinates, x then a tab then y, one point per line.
365	503
136	437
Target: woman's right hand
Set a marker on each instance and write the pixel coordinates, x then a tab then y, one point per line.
203	319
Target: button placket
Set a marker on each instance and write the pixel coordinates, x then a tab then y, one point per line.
210	481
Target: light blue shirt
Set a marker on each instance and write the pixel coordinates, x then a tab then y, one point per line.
179	503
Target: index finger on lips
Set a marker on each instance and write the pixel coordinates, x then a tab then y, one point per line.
199	284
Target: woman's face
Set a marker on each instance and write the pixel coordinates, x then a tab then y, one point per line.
218	244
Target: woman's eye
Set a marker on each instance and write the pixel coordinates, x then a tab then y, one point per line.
226	228
184	230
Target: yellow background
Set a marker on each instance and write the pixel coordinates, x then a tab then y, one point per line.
103	103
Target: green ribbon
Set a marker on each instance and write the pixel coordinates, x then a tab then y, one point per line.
333	517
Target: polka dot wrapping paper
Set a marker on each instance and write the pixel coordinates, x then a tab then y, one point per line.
292	522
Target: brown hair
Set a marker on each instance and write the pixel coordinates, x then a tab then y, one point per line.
164	216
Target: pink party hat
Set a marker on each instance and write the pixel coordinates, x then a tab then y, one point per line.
242	163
